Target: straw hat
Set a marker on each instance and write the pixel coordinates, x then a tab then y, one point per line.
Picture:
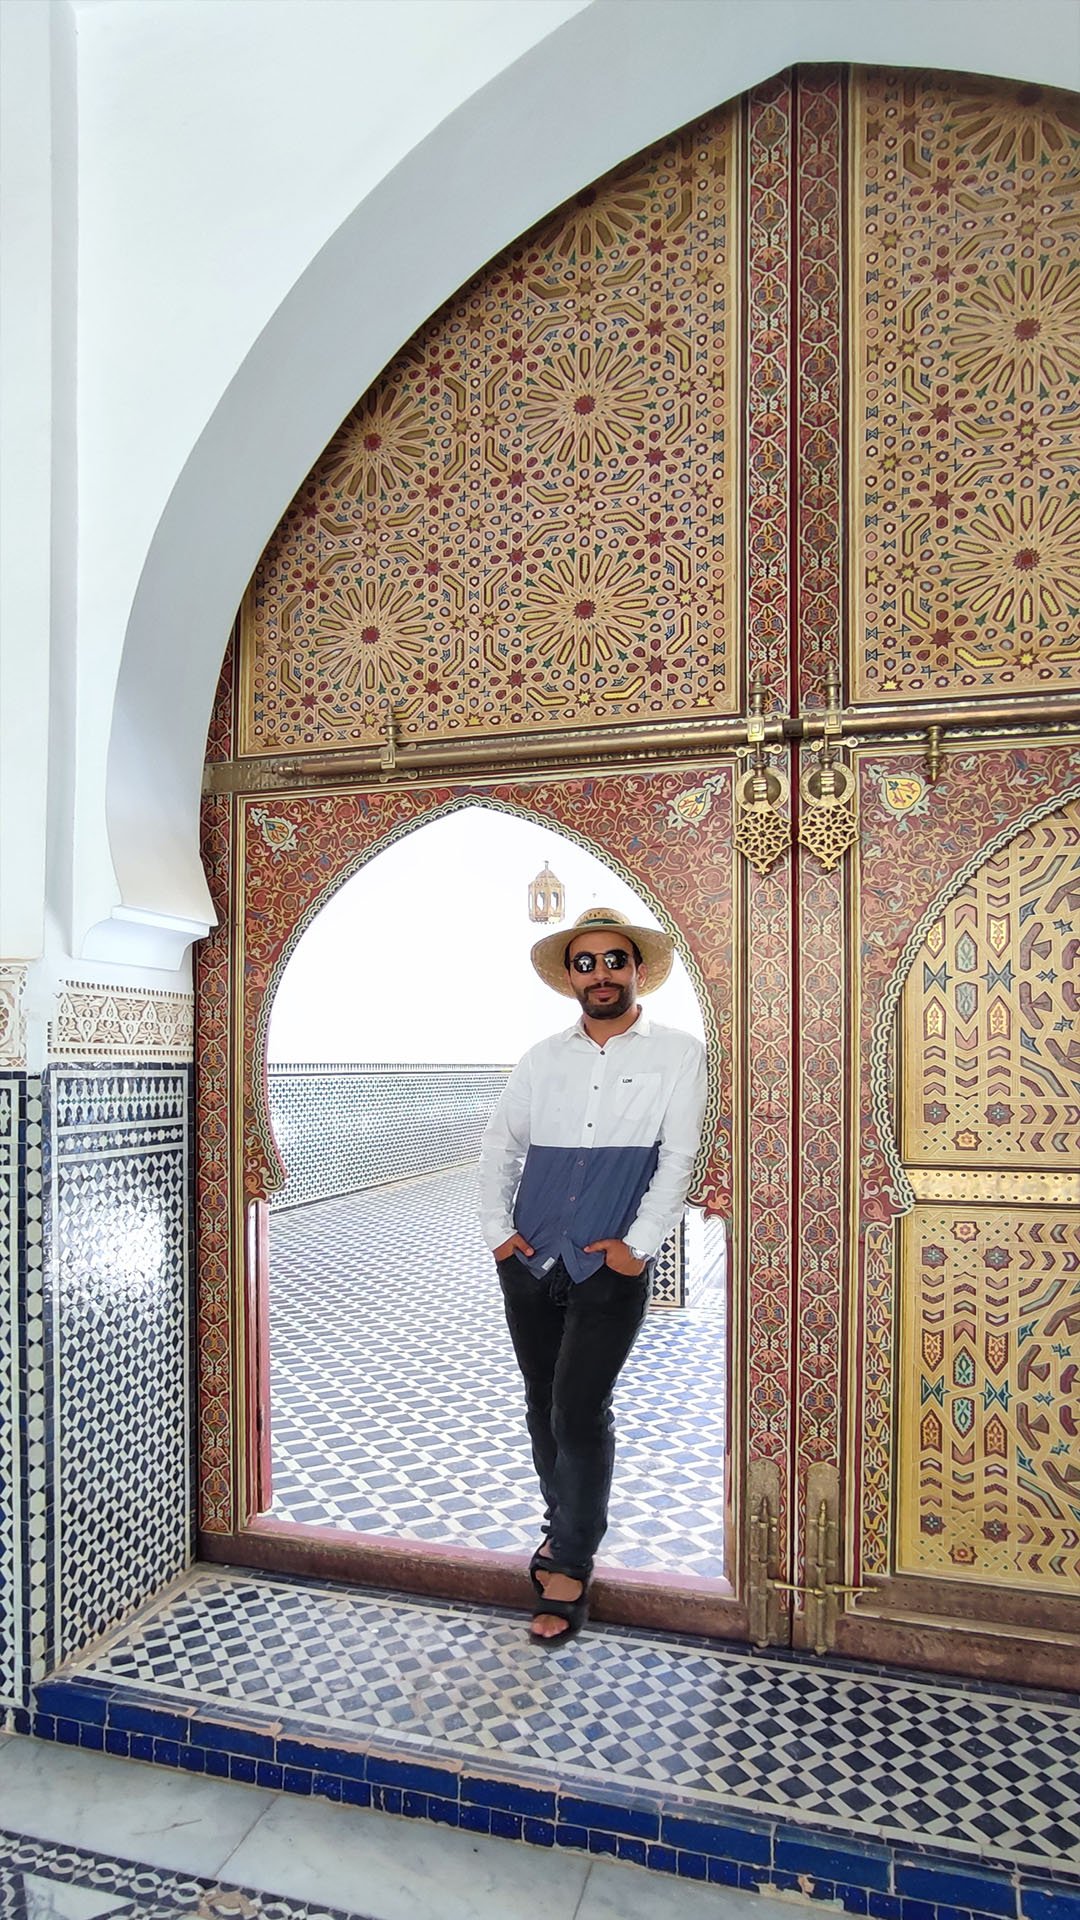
657	949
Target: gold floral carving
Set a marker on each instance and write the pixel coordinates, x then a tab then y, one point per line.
965	300
529	520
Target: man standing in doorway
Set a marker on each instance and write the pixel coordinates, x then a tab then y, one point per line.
584	1171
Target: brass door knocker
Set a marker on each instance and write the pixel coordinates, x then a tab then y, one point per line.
829	816
762	830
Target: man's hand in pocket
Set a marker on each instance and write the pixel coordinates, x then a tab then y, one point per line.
515	1244
618	1257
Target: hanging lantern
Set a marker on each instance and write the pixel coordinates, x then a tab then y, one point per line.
547	898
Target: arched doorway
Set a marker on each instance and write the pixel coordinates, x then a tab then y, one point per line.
395	1404
299	853
576	489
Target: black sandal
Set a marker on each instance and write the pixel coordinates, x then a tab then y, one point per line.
574	1612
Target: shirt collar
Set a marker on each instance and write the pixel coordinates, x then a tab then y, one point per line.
642	1025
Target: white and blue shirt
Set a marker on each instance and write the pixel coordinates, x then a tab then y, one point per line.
594	1143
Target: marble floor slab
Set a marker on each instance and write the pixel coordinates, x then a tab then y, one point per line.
84	1836
359	1861
166	1819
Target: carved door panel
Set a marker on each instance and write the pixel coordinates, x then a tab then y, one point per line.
936	1460
765	445
962	1468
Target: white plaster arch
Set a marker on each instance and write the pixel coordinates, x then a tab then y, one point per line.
611	79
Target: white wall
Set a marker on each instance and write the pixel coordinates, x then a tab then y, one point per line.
272	195
36	382
221	145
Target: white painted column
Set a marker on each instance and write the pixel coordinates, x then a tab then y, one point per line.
37	114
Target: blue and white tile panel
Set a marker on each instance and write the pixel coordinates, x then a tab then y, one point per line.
340	1129
23	1497
11	1210
118	1273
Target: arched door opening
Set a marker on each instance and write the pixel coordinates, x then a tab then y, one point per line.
395	1400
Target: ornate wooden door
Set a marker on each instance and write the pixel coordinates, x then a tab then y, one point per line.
729	519
934	1504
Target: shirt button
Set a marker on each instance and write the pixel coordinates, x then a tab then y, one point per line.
588	1123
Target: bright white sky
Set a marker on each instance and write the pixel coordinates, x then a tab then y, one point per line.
424	954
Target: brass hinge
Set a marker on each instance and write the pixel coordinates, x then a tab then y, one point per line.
762	1553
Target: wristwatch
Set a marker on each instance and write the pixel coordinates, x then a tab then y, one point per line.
638	1253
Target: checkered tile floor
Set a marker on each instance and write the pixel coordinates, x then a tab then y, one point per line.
984	1772
396	1403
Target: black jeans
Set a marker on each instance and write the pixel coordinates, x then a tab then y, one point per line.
571	1339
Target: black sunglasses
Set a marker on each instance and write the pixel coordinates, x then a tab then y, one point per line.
614	961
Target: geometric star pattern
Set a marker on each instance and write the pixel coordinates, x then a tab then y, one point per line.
966	306
528	519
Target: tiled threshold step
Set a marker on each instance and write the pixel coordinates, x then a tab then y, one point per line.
891	1794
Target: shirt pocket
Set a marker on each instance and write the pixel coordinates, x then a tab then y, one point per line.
553	1115
635	1109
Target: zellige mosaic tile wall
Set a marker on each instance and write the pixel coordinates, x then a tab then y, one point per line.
340	1129
23	1449
118	1282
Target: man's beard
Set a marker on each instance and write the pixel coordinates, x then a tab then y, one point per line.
607	1009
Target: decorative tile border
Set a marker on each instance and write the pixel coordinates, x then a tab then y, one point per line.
94	1022
139	1891
11	1209
661	1832
22	1428
232	1671
35	1354
12	1022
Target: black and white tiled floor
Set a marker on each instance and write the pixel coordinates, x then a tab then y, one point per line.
396	1404
985	1773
